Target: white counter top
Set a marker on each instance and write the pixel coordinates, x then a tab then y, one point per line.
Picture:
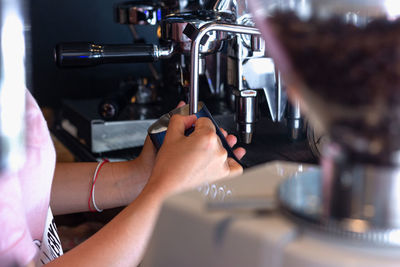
189	233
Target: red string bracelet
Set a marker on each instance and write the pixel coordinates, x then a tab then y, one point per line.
91	195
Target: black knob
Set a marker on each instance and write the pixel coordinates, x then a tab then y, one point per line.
112	105
191	31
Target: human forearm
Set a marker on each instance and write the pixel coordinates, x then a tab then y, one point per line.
182	163
121	242
118	183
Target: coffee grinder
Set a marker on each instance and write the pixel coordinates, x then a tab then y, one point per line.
339	58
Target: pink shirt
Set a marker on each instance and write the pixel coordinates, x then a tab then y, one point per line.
25	195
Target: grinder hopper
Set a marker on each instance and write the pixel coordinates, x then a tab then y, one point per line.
342	60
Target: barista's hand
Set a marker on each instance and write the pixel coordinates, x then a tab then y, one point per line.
232	140
147	156
186	161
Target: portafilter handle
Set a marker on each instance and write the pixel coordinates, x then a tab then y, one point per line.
83	54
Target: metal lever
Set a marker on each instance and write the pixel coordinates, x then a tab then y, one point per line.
83	54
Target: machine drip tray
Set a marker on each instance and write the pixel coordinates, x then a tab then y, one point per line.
81	129
81	119
300	197
85	131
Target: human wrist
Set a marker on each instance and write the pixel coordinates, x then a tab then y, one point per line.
126	183
158	188
141	168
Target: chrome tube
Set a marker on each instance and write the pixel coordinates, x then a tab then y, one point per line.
78	54
295	121
194	55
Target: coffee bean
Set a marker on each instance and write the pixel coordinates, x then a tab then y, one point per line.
352	66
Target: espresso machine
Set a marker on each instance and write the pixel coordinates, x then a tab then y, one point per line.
248	70
214	46
336	58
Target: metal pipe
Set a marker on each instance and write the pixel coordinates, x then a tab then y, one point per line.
218	73
278	89
295	121
194	55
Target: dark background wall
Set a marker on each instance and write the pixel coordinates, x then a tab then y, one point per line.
78	20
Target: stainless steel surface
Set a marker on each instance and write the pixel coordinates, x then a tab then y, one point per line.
82	120
116	135
174	27
249	66
138	13
14	79
295	121
178	6
355	191
195	52
281	99
246	114
260	73
238	8
163	52
303	199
